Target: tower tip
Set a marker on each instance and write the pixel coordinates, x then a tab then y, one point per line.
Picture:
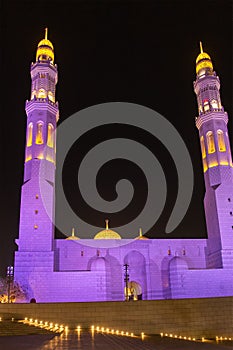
201	48
46	33
106	224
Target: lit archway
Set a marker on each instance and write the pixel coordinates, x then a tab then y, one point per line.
134	291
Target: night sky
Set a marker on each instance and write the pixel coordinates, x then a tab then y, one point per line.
141	52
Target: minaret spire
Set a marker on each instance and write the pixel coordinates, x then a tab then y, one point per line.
46	33
45	49
201	48
140	232
204	64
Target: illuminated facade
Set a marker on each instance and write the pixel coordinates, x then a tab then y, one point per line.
58	270
217	164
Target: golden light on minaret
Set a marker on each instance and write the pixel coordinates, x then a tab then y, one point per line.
203	63
46	33
201	48
45	49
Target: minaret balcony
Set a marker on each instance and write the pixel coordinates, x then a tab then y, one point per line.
211	115
42	104
216	110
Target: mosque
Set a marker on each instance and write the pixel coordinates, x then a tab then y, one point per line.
104	269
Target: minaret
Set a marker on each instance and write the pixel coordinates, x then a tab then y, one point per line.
36	231
217	164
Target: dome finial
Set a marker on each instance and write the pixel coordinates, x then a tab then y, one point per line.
201	48
140	232
107	233
204	65
45	50
46	33
72	237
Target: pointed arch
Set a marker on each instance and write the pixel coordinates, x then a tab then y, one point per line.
51	96
137	269
214	104
41	93
39	133
50	138
221	141
29	134
210	142
206	106
203	151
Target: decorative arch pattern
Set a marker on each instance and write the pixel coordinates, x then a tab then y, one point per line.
203	151
221	141
210	142
29	134
50	139
39	133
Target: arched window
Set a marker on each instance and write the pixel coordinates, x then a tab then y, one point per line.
39	133
203	151
221	141
214	104
33	94
51	96
50	139
210	142
29	134
42	93
206	106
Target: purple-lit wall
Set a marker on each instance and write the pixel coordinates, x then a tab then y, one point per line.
92	277
53	270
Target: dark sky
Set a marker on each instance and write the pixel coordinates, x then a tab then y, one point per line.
142	52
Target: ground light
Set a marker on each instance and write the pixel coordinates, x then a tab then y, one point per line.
112	331
45	324
60	328
177	336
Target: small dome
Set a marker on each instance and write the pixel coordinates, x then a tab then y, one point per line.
141	235
45	50
45	42
72	237
203	62
202	56
107	234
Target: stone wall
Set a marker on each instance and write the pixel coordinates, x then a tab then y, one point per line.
208	317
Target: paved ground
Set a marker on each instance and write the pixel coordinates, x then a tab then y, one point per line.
113	342
85	340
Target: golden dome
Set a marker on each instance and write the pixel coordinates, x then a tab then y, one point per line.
45	42
203	61
141	235
72	237
45	50
107	234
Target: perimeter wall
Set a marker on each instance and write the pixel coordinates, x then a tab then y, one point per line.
206	317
